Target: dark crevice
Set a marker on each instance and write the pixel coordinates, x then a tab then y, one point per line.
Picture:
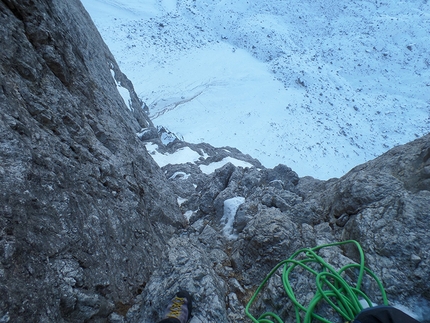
14	10
426	155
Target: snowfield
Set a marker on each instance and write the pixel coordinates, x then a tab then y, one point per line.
320	86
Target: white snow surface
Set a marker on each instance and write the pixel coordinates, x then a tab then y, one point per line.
320	85
125	94
230	209
180	175
181	156
209	169
187	155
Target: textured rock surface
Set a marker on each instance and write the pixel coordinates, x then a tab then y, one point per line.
84	211
382	204
93	231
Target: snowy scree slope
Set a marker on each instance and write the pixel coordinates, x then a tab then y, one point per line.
320	86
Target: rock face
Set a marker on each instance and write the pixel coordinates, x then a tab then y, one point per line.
382	204
84	210
92	230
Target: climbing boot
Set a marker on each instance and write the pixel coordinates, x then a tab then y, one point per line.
179	309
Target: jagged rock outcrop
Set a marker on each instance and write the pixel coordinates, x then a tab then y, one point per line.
92	230
382	204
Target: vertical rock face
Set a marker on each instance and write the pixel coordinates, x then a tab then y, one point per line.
84	211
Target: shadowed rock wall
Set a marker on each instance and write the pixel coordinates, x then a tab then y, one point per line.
84	211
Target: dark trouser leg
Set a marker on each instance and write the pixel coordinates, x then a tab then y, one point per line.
383	314
170	321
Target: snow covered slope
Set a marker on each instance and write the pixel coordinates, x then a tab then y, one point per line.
320	85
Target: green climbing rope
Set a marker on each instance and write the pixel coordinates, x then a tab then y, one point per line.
331	286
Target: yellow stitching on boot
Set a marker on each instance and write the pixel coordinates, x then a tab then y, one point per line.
175	310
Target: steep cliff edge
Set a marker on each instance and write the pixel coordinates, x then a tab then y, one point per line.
92	230
84	210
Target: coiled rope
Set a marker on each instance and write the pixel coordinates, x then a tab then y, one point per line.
331	287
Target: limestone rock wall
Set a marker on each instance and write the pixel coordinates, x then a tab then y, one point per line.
84	210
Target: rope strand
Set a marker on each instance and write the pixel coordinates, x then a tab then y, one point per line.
331	287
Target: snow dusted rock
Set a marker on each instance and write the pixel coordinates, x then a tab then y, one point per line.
208	154
317	85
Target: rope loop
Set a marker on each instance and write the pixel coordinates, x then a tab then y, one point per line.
331	286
